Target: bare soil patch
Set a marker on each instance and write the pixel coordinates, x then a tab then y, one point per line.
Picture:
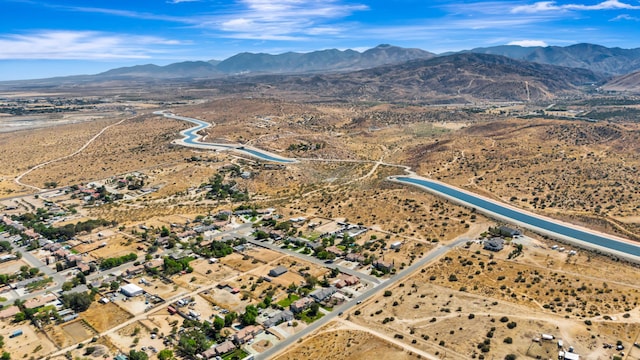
345	344
105	316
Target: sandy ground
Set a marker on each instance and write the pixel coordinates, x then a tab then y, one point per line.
345	344
26	344
105	316
125	339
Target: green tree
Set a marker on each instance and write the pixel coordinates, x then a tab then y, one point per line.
165	354
218	323
6	356
250	315
5	245
81	277
19	317
229	318
192	342
164	231
313	309
138	355
79	301
114	285
67	285
310	281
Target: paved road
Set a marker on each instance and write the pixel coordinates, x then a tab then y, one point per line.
431	256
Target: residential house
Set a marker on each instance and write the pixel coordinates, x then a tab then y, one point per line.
225	347
247	333
186	235
37	302
301	305
52	247
335	251
154	264
355	257
31	233
314	245
278	318
347	280
135	270
72	259
494	244
276	235
210	353
11	311
383	265
61	253
84	268
323	294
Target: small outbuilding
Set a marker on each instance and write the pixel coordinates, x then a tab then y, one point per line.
277	271
131	290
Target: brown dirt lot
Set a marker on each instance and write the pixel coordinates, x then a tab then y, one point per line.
26	344
70	333
225	300
105	316
158	287
549	290
346	344
117	245
237	262
435	312
200	269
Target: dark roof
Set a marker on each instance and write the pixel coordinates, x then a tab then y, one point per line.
322	294
494	244
277	271
505	230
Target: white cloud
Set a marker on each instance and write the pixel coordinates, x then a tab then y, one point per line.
528	43
625	17
85	45
282	19
545	6
256	19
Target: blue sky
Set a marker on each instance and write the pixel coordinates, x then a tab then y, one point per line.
43	38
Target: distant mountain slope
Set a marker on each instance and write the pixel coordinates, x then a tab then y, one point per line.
316	61
629	82
454	78
613	61
320	61
186	69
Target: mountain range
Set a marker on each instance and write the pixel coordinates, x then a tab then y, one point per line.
608	61
459	78
388	71
287	63
599	59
